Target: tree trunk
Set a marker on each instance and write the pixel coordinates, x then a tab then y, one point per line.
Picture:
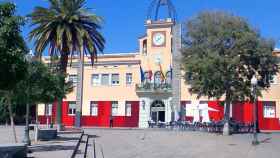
63	68
59	114
226	129
11	117
80	85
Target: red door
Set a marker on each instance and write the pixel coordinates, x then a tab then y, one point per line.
104	112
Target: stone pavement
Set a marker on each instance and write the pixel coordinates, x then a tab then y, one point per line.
60	148
120	143
154	143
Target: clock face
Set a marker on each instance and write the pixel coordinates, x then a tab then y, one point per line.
158	39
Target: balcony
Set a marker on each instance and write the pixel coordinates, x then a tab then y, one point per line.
154	88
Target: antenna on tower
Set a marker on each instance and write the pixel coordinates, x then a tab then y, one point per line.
157	5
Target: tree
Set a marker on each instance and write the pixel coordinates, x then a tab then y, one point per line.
12	52
67	28
221	54
41	85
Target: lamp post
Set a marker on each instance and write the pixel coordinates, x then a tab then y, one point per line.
26	138
254	83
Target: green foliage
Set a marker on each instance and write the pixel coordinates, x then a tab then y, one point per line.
66	26
40	86
12	48
221	54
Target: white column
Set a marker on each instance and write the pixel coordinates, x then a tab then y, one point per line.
168	109
144	112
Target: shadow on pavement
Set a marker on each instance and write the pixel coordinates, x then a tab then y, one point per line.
44	148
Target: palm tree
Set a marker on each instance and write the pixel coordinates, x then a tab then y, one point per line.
67	28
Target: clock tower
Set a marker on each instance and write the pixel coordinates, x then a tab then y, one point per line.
155	91
156	45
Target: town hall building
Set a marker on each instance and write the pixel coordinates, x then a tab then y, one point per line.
148	85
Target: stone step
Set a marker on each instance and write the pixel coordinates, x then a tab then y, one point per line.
82	149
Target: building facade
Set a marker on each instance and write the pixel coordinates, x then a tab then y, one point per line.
148	85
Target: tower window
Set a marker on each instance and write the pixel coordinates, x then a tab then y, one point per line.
144	48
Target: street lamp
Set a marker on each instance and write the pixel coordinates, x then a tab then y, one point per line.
254	83
26	139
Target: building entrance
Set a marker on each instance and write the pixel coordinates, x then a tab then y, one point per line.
158	111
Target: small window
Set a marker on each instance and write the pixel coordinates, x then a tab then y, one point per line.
129	78
274	79
115	79
157	78
72	108
127	108
95	79
115	108
105	79
73	78
94	108
48	109
144	47
269	110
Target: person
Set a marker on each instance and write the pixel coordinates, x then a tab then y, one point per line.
111	121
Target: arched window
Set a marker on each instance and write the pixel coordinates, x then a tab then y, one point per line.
157	78
169	77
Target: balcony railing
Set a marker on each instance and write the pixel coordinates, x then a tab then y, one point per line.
153	87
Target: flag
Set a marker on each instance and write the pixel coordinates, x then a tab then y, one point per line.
171	70
150	72
142	74
162	76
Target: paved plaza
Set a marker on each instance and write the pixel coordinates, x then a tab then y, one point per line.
174	144
155	143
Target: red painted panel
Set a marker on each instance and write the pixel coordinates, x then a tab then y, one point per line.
104	112
67	120
90	121
128	121
216	115
243	112
42	119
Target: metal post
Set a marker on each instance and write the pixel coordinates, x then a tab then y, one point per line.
254	83
255	139
26	139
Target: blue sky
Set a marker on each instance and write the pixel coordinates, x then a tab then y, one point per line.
124	19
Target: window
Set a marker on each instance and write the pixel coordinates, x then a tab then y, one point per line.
73	78
105	79
95	79
115	79
129	78
144	47
114	108
127	108
269	110
72	108
48	109
94	108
